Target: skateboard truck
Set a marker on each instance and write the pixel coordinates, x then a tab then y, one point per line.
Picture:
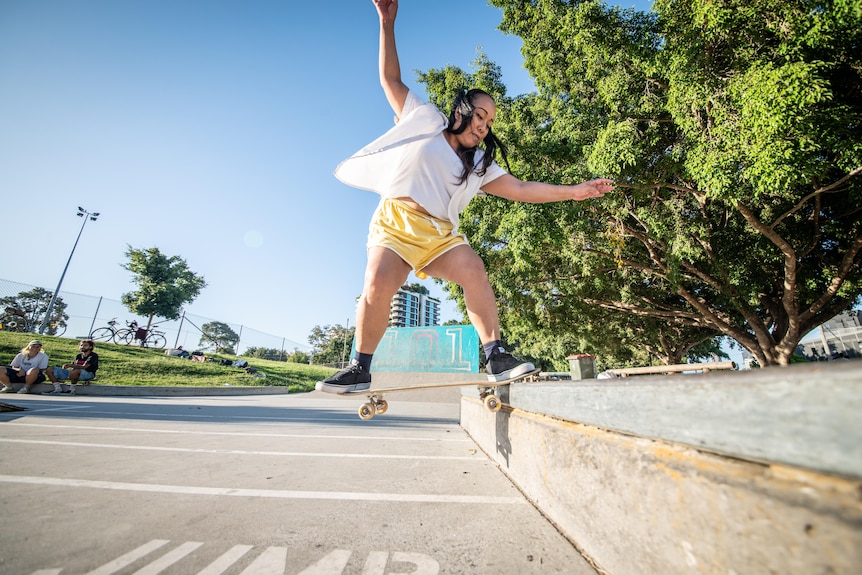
489	398
376	405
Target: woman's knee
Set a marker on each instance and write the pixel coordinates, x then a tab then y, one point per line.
385	274
470	271
379	291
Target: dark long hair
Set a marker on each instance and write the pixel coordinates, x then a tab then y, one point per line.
464	104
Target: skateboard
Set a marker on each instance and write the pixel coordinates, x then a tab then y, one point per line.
376	405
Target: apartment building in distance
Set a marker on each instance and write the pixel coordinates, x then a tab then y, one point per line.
838	338
412	306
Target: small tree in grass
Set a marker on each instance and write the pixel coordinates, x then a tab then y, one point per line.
219	336
164	284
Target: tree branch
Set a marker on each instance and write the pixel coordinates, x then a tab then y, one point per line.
831	188
788	297
848	264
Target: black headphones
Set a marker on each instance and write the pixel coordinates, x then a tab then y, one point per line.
463	105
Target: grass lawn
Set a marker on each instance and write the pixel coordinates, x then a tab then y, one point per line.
132	365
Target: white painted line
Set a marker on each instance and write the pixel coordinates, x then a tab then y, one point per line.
424	565
334	562
376	562
168	559
224	562
125	560
66	482
247	452
244	434
270	562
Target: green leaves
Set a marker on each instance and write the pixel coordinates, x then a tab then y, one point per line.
218	336
164	283
616	148
330	343
732	130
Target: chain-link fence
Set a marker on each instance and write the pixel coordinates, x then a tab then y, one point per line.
87	313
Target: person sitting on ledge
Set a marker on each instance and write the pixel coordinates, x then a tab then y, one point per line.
25	368
82	369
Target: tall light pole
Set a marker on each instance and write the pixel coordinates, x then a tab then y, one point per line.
82	213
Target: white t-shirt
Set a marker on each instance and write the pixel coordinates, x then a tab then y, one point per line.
27	363
414	160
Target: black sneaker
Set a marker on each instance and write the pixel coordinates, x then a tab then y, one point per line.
502	366
353	378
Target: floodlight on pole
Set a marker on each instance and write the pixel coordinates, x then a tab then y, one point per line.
82	213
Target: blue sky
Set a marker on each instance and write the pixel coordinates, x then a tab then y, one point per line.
210	129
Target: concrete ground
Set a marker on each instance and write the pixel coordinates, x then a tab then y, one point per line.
259	485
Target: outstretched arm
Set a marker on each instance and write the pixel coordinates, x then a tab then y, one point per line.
509	187
390	69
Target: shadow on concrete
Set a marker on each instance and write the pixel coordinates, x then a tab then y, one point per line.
167	409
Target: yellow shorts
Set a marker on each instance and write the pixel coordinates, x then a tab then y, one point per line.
417	238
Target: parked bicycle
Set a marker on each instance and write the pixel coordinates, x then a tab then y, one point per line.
147	338
107	333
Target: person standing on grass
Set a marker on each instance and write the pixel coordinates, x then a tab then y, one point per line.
26	368
83	368
427	169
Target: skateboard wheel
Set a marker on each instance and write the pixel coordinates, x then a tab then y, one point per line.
492	402
381	406
366	411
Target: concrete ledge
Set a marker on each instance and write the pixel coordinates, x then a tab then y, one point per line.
635	505
742	472
805	415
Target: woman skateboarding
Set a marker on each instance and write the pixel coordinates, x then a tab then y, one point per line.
426	170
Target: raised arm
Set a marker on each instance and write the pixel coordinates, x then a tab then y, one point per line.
390	69
509	187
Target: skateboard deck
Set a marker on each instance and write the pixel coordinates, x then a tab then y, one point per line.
377	405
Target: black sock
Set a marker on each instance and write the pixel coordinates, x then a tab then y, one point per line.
364	359
491	347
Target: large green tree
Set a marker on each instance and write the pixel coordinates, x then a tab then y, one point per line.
732	129
502	233
164	284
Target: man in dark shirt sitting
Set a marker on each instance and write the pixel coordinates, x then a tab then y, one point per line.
83	369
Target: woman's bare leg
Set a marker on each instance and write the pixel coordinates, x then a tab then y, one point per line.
385	273
462	266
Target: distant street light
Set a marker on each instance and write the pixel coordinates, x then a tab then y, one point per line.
82	213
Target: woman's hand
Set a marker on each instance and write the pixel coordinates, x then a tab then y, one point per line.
593	189
386	9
